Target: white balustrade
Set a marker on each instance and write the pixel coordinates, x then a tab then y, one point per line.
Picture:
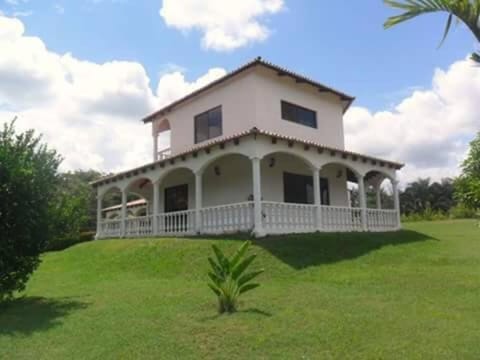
176	223
277	218
110	229
336	218
281	218
164	154
381	220
227	218
139	226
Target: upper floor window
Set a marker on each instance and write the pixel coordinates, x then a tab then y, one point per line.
208	124
299	114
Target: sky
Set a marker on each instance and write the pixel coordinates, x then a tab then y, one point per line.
84	72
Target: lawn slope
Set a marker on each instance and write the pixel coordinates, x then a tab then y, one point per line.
413	294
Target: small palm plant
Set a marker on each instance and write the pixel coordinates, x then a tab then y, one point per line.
230	278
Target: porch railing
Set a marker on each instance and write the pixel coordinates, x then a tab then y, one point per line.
277	218
111	228
176	223
227	218
381	220
336	218
280	217
139	226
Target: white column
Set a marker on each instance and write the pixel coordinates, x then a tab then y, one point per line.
396	201
198	201
156	207
99	216
124	213
363	201
257	197
317	196
155	147
379	196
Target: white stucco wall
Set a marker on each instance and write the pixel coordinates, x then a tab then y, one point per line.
253	98
236	97
270	90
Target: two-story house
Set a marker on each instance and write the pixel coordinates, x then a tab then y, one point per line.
260	149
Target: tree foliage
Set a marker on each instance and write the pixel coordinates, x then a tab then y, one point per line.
467	185
28	177
73	209
230	278
423	195
465	11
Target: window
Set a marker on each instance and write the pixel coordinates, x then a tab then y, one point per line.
299	114
298	189
208	124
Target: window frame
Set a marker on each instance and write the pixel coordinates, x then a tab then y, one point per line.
207	112
284	102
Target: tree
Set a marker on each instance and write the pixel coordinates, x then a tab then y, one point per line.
422	195
28	177
467	186
466	11
73	209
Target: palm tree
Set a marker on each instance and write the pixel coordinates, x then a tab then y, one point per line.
466	11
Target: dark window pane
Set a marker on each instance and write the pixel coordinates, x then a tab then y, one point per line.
297	189
215	122
306	117
201	127
299	114
324	191
208	125
288	111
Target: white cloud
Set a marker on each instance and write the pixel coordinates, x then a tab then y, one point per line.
89	112
428	130
225	25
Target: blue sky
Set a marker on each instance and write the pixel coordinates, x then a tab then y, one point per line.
88	70
341	43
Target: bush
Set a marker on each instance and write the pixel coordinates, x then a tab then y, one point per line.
463	212
58	244
28	176
427	215
229	279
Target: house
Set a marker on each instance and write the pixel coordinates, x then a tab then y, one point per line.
260	149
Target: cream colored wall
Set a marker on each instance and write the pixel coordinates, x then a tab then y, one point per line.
254	99
237	100
233	185
270	90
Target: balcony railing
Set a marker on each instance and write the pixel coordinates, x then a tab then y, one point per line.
277	218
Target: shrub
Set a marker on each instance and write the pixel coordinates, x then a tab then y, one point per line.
28	176
463	212
59	243
229	277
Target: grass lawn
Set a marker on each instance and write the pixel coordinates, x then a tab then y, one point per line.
414	294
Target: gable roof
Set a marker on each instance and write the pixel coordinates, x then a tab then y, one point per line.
256	62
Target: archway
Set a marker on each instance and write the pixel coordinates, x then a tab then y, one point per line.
287	177
340	185
379	190
227	180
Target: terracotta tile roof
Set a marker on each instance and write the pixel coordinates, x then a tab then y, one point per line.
131	204
252	131
256	62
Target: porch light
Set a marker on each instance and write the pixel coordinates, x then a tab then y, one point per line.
216	169
271	162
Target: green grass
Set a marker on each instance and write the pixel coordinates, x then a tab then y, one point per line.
408	295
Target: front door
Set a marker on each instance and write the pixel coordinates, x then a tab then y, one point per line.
298	189
176	198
